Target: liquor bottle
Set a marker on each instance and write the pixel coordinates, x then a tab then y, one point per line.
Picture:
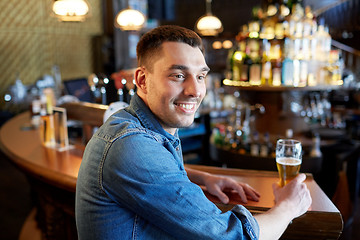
229	63
237	61
244	75
265	146
287	74
266	72
337	66
307	22
279	30
313	62
320	43
313	41
255	71
244	147
275	49
296	72
304	62
229	138
276	57
327	43
215	137
255	64
254	147
295	53
219	137
287	71
315	150
237	128
303	75
276	72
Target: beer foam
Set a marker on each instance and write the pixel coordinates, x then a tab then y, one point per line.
288	161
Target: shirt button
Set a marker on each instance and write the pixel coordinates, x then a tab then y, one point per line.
177	148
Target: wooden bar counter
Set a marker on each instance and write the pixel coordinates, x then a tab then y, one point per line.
53	174
322	221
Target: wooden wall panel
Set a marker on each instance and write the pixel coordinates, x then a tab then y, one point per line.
20	53
70	52
32	40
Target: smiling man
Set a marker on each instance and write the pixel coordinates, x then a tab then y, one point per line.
132	183
174	86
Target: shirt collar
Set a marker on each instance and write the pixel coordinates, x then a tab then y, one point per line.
147	118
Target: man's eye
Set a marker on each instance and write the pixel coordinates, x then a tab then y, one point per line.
178	76
201	77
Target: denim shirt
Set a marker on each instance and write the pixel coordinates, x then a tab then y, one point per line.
132	185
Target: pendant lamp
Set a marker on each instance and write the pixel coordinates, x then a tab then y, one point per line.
71	10
130	19
208	25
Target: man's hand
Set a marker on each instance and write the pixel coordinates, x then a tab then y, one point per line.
217	186
294	196
291	201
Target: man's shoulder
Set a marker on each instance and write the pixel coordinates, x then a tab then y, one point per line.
123	124
119	122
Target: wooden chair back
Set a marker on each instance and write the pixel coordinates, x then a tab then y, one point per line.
89	114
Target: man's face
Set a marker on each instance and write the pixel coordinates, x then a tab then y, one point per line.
176	86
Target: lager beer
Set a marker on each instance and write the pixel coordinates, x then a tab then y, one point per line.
288	159
288	169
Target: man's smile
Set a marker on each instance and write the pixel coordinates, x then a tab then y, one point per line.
187	107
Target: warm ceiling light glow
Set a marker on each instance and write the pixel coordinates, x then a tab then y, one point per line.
217	45
130	20
227	44
71	10
208	25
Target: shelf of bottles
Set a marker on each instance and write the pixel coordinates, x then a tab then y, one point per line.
231	141
284	46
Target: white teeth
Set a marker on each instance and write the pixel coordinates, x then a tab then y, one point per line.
186	106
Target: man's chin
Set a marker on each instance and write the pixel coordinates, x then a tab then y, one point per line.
185	124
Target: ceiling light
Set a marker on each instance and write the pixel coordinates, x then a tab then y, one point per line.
130	20
208	25
227	44
71	10
217	45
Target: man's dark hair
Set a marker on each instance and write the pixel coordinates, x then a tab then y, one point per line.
150	43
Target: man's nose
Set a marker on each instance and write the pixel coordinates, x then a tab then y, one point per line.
193	88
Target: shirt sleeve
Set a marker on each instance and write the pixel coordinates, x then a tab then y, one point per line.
145	177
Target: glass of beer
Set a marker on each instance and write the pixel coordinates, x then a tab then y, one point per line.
288	159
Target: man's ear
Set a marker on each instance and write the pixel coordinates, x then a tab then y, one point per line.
140	79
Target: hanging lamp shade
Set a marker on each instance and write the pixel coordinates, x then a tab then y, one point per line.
208	25
71	10
130	20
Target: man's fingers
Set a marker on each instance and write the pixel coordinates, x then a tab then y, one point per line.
245	190
223	198
251	192
242	194
300	178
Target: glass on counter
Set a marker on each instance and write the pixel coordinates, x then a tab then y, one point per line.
53	123
288	159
